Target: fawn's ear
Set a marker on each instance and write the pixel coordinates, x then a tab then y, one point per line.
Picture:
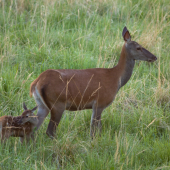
24	106
126	35
34	108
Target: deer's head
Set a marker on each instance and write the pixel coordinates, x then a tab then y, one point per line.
27	115
134	50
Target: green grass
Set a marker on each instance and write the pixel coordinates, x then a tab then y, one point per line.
77	34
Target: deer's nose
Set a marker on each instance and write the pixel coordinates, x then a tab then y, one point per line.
155	58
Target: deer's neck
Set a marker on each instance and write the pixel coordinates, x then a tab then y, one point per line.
125	67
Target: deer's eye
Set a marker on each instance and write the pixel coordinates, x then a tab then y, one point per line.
138	48
26	116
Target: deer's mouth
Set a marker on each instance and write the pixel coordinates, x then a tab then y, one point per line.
152	60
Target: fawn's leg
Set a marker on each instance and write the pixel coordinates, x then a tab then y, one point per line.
21	140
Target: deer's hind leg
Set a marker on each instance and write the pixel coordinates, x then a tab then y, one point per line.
5	135
56	114
4	138
42	109
41	115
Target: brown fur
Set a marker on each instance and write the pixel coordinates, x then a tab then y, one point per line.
69	89
12	126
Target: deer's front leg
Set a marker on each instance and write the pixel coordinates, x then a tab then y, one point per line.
96	121
28	138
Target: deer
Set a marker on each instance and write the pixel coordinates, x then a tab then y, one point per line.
18	126
55	90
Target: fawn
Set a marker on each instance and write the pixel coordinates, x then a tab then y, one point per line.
19	126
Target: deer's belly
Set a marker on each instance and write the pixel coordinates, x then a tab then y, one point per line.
80	106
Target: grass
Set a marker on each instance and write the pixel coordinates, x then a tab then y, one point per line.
76	34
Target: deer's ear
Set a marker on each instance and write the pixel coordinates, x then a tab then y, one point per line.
126	35
34	108
24	106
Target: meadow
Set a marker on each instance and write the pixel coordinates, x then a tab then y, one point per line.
37	35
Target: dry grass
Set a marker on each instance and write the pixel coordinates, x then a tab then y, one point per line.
162	96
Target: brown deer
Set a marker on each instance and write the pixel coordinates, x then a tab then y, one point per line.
67	89
19	126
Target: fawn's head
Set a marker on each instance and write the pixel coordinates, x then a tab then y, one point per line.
135	50
27	115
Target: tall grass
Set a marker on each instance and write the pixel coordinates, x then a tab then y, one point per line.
77	34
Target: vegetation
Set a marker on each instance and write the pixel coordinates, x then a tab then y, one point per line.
74	34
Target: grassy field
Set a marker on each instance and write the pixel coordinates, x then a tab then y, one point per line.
40	34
